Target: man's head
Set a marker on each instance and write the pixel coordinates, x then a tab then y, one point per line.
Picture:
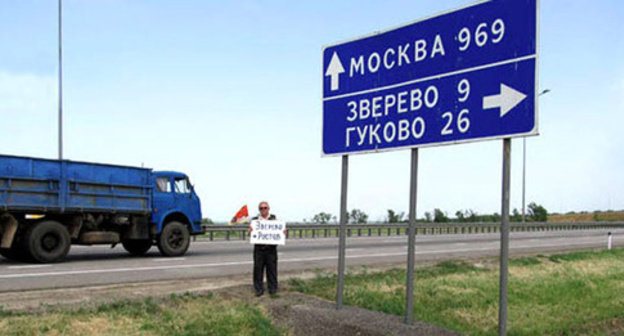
264	208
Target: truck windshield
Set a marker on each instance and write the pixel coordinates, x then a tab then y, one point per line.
182	186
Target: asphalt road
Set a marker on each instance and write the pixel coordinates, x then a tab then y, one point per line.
101	265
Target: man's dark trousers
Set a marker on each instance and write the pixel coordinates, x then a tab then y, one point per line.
265	257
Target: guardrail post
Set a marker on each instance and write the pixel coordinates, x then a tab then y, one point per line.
369	232
300	233
227	235
325	233
360	232
211	235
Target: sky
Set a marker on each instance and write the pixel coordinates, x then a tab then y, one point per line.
229	92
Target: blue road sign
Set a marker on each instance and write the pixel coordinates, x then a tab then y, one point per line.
464	75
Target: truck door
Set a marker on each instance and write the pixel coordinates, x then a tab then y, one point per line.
163	198
186	200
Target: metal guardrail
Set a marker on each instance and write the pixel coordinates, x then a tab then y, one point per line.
304	230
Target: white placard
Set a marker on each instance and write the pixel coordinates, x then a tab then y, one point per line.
267	232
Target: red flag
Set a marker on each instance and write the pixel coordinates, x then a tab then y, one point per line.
241	216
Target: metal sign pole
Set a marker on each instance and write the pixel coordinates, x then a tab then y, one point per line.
411	241
343	224
523	180
60	81
504	247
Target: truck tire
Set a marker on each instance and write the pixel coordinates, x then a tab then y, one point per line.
174	239
47	241
137	247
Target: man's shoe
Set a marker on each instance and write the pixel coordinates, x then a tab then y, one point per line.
259	294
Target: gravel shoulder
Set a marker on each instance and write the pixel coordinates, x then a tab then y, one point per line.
306	315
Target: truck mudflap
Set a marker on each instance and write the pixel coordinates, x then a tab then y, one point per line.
8	227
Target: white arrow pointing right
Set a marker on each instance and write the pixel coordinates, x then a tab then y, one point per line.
506	100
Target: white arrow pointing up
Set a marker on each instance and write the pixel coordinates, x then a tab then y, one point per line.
506	100
334	70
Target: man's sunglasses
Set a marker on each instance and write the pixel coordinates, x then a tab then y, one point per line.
264	208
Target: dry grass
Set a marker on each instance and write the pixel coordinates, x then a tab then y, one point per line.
610	216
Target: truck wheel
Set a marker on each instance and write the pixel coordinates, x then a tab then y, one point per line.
174	239
137	247
47	241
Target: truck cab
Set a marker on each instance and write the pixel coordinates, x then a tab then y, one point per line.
174	198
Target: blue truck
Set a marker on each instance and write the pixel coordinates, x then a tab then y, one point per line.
48	205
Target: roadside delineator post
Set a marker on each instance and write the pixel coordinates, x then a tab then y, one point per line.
609	241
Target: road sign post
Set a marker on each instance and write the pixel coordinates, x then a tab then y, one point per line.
343	223
411	240
504	241
461	76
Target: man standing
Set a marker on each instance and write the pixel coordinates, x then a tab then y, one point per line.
265	257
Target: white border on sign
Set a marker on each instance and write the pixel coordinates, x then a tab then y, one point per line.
533	132
438	76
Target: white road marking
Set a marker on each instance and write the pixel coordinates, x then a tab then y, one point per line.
168	259
28	266
234	263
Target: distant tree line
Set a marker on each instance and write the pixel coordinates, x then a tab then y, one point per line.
355	216
535	213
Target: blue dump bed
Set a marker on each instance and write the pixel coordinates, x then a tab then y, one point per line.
41	185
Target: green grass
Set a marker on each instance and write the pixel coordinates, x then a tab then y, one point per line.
177	315
525	261
567	294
